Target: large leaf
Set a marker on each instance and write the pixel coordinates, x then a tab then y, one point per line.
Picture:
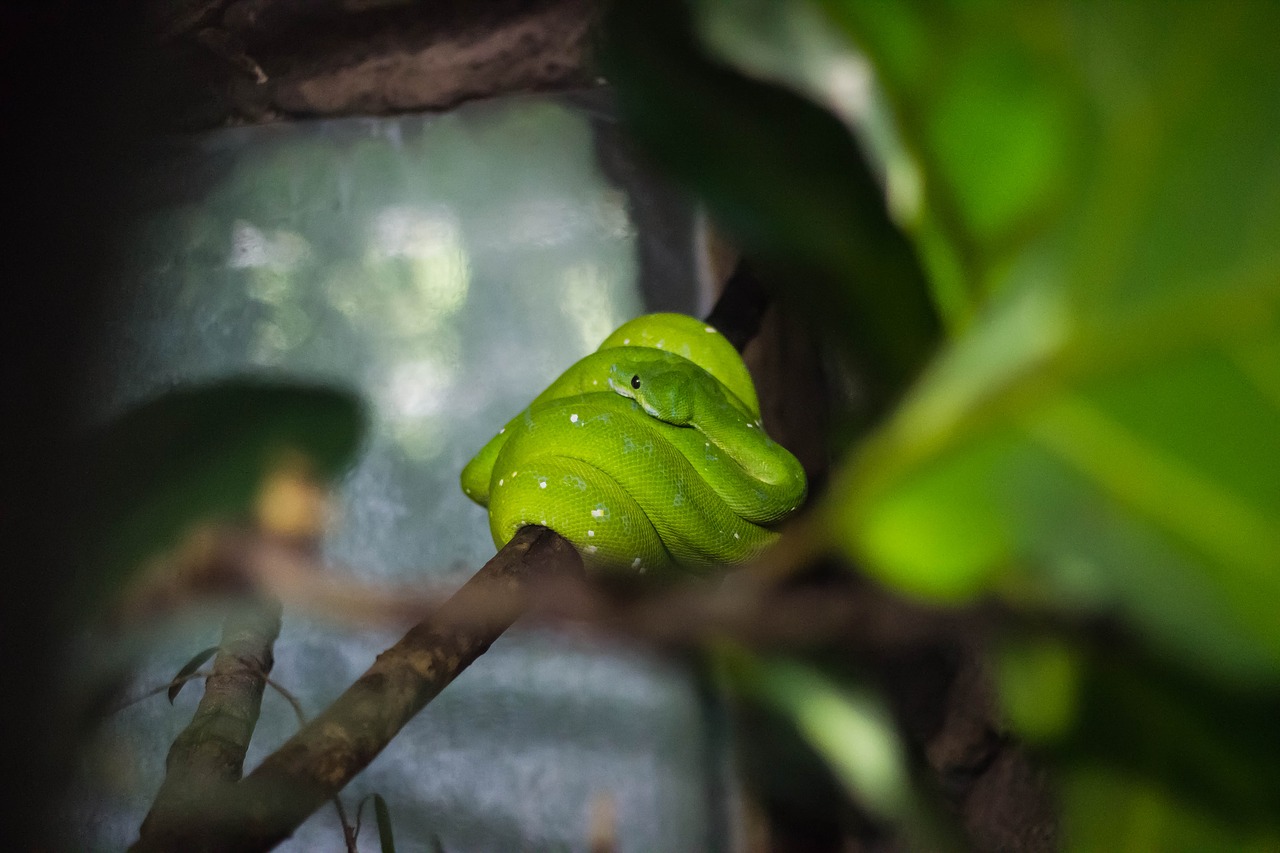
784	177
202	453
1106	434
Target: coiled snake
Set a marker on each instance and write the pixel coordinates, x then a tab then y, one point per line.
647	454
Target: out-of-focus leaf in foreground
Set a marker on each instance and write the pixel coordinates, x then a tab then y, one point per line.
850	728
786	179
1107	809
1109	711
1105	434
203	454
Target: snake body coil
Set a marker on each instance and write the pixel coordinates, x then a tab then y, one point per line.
646	454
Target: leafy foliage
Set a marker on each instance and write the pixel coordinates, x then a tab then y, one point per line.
1099	434
784	175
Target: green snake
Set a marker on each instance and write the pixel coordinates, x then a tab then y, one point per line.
648	454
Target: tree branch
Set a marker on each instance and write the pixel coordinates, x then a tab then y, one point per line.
210	750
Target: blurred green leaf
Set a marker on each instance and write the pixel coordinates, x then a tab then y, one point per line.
1111	810
1208	743
1105	435
1102	704
180	680
849	727
783	176
199	454
1039	681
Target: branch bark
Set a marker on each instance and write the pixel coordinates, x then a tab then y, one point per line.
210	751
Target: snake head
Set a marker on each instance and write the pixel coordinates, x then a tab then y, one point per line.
663	389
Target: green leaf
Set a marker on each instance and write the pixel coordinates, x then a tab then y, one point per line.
1105	809
180	680
201	453
1039	682
1104	435
385	836
783	176
1103	704
848	726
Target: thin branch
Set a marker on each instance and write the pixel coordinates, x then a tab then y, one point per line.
348	831
740	309
288	697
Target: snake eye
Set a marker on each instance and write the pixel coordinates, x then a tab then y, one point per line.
635	382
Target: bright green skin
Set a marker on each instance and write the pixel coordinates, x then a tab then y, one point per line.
674	473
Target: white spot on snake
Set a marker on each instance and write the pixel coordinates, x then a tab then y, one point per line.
468	491
751	426
501	482
635	564
660	342
707	329
643	569
542	484
573	419
595	381
591	533
591	549
597	513
626	340
736	536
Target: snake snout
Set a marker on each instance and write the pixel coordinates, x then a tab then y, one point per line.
620	388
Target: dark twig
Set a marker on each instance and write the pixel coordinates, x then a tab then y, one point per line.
740	309
348	831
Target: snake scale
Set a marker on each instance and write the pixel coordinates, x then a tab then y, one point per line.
647	454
